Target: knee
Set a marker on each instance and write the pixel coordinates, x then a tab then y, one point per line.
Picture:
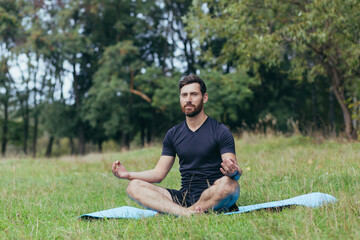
228	186
133	187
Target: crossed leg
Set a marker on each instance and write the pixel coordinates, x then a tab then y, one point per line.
155	198
223	193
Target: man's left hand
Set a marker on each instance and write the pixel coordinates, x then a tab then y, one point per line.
229	167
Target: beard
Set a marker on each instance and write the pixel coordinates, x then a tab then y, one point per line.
194	111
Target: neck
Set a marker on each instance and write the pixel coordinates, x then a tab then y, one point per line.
195	122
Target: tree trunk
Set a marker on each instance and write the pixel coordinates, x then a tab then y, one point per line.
149	134
123	141
152	128
340	96
36	123
142	131
49	147
332	114
80	132
72	147
100	145
355	111
127	141
36	118
189	56
81	138
338	85
26	124
5	129
129	123
24	104
315	107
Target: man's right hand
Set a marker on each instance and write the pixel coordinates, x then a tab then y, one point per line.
120	171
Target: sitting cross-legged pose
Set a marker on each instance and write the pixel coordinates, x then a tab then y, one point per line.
208	166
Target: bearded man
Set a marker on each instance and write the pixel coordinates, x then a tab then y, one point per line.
208	166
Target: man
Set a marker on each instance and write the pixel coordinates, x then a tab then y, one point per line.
208	166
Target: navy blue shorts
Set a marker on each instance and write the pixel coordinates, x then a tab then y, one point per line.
185	199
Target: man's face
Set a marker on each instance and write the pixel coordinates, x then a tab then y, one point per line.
192	100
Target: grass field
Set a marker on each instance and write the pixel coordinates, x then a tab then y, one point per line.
42	198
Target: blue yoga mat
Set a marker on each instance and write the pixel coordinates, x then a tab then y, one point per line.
308	200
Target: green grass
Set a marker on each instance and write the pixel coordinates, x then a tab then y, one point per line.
42	198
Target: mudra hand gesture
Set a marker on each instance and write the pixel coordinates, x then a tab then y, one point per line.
119	170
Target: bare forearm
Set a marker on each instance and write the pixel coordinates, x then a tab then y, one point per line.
149	176
155	175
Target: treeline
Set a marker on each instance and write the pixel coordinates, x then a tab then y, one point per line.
93	71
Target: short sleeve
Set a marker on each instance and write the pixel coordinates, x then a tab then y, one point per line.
226	140
168	147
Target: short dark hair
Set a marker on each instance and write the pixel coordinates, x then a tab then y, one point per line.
193	79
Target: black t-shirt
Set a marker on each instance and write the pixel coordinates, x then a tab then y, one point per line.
199	152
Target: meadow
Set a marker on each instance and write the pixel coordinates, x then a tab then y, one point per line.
43	198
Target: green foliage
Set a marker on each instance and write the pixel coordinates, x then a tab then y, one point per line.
263	32
248	53
57	119
166	98
107	105
318	38
110	107
227	94
43	198
10	21
14	134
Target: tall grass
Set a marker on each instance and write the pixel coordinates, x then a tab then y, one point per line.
42	198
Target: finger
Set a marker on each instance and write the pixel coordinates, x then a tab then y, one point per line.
232	164
222	171
228	162
225	170
235	167
113	168
116	164
232	161
225	167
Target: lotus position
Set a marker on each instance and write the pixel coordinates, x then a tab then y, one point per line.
208	166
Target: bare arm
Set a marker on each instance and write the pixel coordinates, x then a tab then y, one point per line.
155	175
229	165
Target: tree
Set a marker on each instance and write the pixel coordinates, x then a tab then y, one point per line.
175	29
318	37
10	27
5	95
109	105
134	48
57	119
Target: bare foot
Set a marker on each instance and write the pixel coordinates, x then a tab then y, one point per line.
198	210
188	212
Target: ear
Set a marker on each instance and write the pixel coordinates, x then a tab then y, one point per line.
205	97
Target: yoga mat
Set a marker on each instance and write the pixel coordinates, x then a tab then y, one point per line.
312	200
